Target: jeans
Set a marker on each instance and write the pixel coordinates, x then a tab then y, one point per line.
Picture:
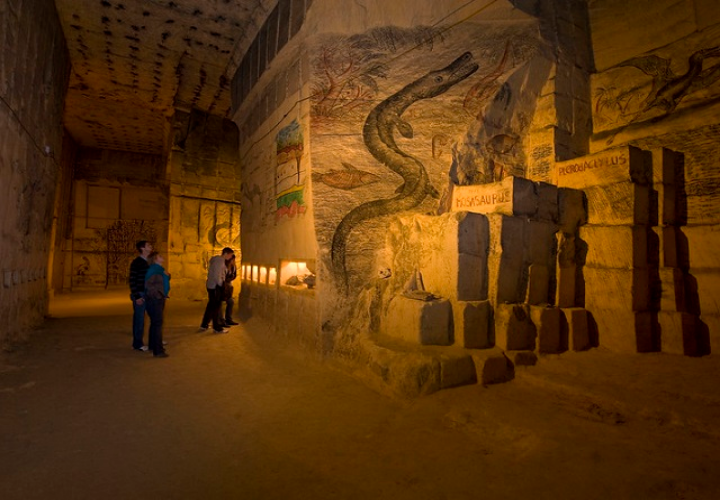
156	310
138	324
212	310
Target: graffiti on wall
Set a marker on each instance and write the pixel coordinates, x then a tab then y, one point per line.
378	135
121	238
347	70
289	172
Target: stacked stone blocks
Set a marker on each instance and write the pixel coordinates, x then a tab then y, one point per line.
675	301
612	248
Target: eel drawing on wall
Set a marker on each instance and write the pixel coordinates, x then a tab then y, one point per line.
378	134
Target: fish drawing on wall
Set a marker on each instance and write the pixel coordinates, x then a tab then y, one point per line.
348	178
289	176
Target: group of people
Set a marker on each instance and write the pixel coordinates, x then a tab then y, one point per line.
221	273
150	288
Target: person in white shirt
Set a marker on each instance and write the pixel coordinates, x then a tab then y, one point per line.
216	290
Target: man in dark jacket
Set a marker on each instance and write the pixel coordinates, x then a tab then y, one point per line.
138	268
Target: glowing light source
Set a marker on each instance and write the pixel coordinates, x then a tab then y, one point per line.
263	274
272	276
295	273
255	273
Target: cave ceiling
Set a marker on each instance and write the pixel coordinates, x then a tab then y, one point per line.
135	61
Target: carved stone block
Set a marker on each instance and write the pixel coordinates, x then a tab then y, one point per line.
679	333
572	209
621	330
549	334
538	285
625	164
615	246
513	328
617	289
511	196
472	324
547	202
507	268
622	203
565	292
417	321
578	330
449	250
456	370
492	366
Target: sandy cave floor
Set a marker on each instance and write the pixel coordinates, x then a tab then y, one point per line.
248	415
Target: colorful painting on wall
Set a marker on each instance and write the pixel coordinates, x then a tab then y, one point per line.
289	172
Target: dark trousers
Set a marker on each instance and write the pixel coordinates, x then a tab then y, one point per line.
156	310
229	303
138	324
212	310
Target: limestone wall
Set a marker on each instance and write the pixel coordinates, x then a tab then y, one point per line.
391	108
204	210
279	247
495	115
658	87
34	68
116	199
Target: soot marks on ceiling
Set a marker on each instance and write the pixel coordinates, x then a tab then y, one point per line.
119	62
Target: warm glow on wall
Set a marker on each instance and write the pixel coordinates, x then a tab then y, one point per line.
243	272
272	276
263	275
255	273
296	273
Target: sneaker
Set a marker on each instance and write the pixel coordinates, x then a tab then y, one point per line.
223	330
230	322
161	355
164	343
202	328
143	348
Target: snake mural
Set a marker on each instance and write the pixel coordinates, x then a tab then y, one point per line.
378	135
